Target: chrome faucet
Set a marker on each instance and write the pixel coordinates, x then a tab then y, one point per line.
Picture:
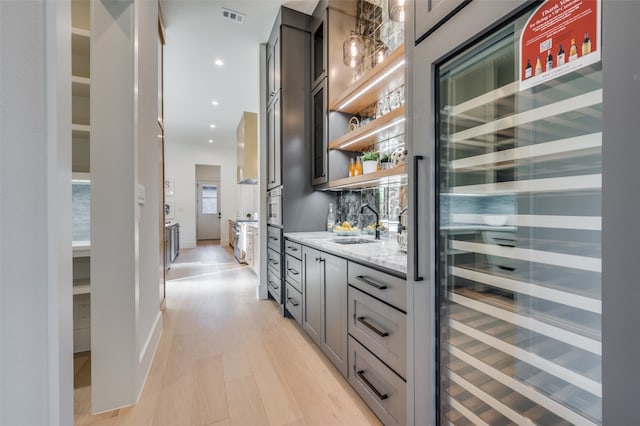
367	206
401	227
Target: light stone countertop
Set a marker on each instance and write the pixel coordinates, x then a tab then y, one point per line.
384	253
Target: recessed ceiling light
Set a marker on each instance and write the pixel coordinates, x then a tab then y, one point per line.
215	103
219	62
210	140
213	126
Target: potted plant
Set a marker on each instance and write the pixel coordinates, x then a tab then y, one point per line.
369	162
385	161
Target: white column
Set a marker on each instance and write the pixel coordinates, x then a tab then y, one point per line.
125	307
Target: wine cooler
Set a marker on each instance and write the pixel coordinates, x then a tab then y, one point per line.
518	170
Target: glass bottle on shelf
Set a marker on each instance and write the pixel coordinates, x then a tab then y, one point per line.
560	56
528	70
586	45
352	168
573	51
358	168
538	66
331	218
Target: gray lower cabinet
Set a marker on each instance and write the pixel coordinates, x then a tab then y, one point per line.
381	328
382	390
312	293
293	303
325	304
334	311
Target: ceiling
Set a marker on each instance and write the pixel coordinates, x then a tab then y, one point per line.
196	35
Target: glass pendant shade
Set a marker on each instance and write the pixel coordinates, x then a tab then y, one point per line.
353	50
379	54
396	10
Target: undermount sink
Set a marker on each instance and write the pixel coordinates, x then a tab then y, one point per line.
352	240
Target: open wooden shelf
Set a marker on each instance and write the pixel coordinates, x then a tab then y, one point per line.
380	129
80	41
80	131
395	174
373	85
81	286
80	86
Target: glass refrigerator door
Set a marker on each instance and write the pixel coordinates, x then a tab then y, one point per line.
519	224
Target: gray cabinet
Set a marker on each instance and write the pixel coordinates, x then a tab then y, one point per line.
312	293
273	64
319	134
334	311
274	145
325	304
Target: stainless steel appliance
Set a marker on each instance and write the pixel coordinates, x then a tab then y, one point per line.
238	247
510	283
274	207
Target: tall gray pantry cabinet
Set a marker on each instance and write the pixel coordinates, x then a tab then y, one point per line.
288	104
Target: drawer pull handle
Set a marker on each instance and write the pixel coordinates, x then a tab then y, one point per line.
273	262
293	271
292	248
273	285
292	301
381	396
274	238
372	327
371	283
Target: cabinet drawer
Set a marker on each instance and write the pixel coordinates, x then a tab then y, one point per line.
273	262
274	238
383	391
274	285
293	271
380	328
293	302
293	249
381	285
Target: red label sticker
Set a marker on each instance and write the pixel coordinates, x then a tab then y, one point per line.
559	37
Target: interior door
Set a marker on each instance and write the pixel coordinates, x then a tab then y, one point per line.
208	208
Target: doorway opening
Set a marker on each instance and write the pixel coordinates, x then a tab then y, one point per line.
208	206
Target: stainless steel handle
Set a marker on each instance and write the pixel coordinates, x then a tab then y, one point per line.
292	301
292	248
273	285
371	283
416	219
381	333
380	395
273	262
293	271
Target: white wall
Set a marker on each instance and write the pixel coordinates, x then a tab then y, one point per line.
180	164
36	347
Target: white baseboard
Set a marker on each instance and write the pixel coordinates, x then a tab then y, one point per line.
148	352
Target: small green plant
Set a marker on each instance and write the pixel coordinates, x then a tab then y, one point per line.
385	158
369	156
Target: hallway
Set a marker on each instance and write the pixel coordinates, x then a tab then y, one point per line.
226	358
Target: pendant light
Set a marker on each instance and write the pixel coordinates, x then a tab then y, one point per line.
353	50
396	10
379	53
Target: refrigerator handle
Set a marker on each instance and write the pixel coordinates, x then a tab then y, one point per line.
416	275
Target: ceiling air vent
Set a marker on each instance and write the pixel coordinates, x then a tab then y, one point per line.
233	15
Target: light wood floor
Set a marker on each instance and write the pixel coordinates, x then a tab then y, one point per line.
226	358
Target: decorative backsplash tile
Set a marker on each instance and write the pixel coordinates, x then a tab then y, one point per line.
388	201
